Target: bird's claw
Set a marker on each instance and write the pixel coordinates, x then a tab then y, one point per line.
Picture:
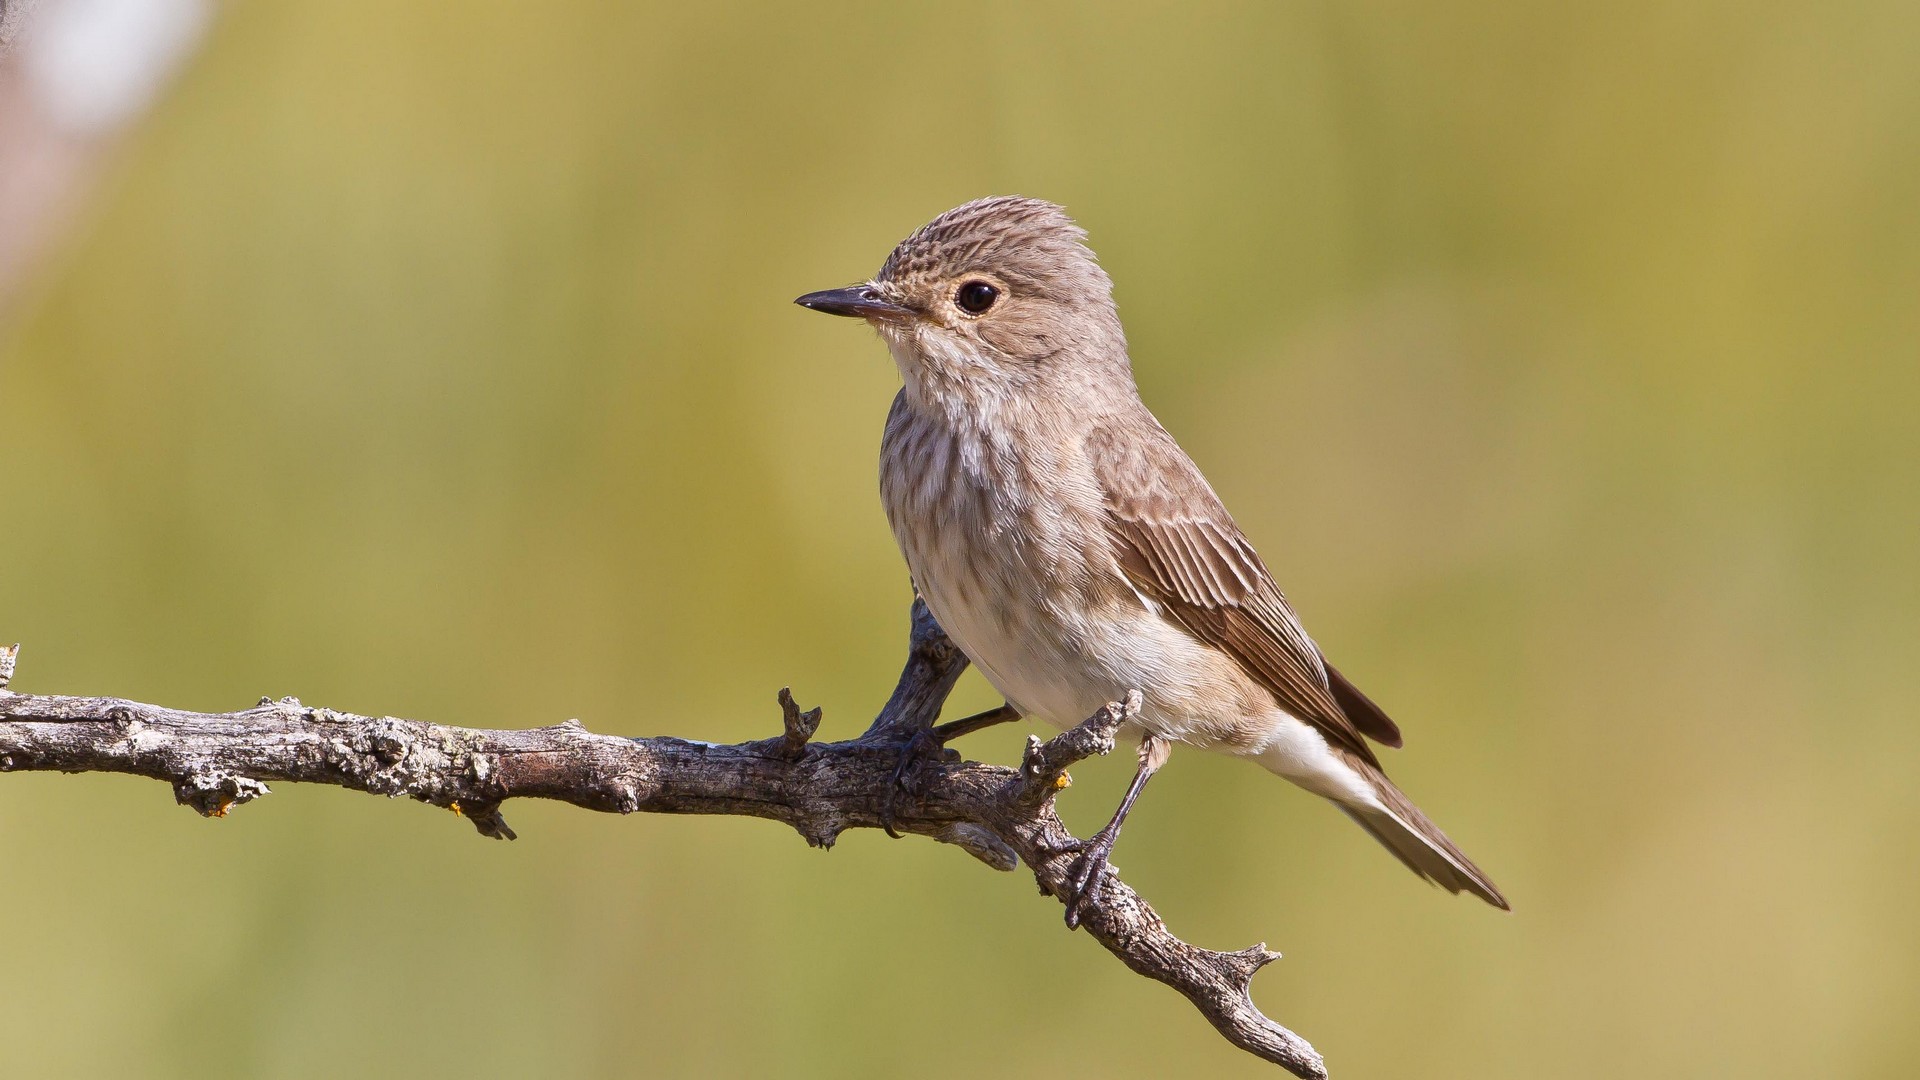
1083	885
915	752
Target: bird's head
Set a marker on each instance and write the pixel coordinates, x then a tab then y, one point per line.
990	300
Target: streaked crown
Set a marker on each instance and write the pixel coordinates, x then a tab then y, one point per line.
1030	244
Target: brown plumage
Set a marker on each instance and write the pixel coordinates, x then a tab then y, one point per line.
1179	544
1071	548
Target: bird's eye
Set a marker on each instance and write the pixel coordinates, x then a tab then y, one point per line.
975	297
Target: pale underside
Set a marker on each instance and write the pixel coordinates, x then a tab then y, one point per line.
1034	593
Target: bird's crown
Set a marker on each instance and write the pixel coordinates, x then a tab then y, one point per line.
1029	244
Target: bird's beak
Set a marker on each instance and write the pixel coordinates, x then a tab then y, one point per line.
855	301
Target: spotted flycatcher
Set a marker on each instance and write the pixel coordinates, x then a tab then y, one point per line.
1072	550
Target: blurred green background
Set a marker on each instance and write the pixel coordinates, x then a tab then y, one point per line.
438	360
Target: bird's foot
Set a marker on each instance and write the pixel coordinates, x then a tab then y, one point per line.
925	746
1089	873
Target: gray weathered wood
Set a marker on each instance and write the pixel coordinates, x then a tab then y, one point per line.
1004	817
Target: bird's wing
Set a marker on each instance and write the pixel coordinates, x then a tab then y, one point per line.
1179	546
1368	717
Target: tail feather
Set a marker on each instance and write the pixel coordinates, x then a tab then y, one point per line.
1358	787
1403	830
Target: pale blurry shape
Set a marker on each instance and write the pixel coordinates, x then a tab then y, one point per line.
13	17
94	65
74	74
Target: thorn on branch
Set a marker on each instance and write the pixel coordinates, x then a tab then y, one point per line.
799	727
1247	963
1043	768
486	818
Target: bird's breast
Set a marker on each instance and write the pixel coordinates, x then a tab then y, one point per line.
1009	550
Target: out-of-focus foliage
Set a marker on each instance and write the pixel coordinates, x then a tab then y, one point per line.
438	360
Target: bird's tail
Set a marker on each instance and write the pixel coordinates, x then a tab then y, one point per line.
1401	828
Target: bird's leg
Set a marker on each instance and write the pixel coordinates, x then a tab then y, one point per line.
1088	874
931	743
980	721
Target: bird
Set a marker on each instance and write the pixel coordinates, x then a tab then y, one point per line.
1074	552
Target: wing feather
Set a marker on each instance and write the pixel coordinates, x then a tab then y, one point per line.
1179	545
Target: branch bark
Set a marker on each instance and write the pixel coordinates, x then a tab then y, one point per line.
1005	817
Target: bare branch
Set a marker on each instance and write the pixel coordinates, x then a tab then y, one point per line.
1004	817
1043	768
